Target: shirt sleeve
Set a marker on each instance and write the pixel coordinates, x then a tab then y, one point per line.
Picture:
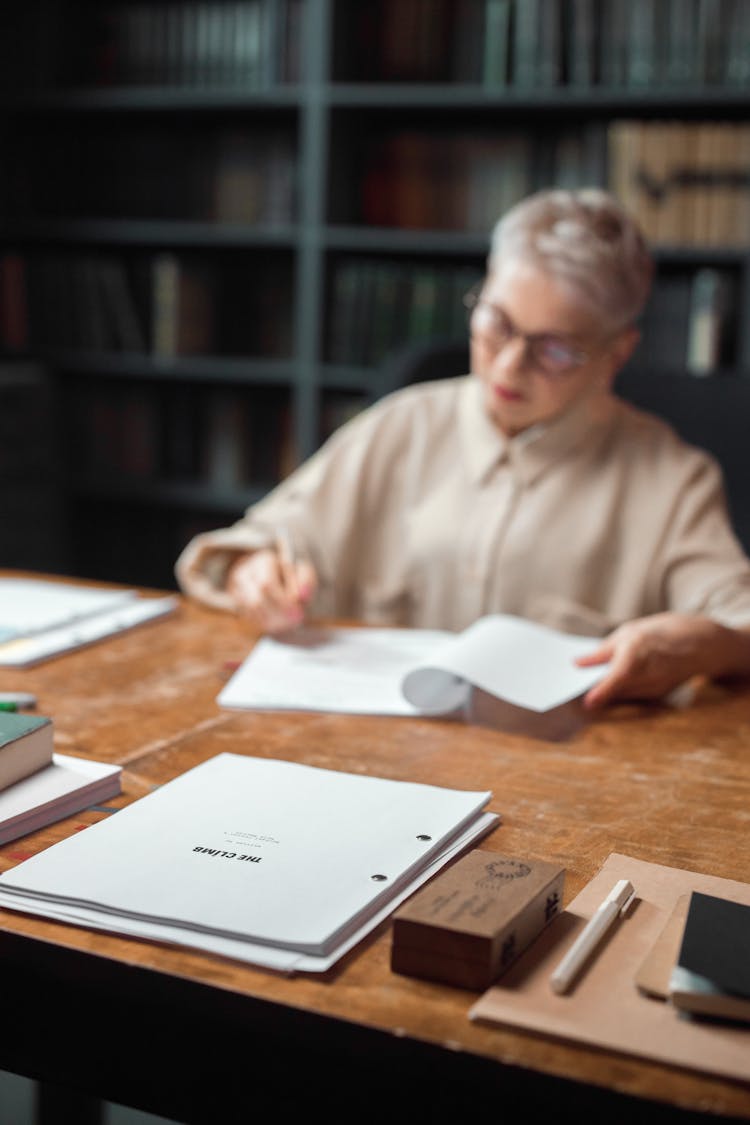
319	505
705	568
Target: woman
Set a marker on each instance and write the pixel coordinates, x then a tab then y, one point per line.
526	487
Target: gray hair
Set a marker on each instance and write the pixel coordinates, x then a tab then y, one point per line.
586	239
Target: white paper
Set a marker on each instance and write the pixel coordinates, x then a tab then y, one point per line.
65	787
526	664
123	614
254	849
357	671
280	960
413	671
30	605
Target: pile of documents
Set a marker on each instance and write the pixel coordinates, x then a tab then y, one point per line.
270	862
38	786
40	618
413	671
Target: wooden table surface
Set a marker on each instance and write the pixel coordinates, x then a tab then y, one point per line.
187	1034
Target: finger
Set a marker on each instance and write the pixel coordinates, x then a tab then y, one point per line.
597	696
258	588
601	655
307	580
612	684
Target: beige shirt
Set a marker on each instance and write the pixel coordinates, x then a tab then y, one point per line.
420	512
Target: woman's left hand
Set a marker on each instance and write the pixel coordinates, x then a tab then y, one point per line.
650	656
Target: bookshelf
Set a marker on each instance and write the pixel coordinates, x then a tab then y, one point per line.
221	217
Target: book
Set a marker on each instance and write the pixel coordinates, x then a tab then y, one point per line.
183	307
664	327
412	671
707	316
712	974
268	861
25	746
40	618
581	43
14	313
66	786
227	445
642	62
497	42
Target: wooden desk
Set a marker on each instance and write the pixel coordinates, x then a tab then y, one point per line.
200	1039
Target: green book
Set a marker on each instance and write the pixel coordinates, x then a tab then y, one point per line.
25	746
496	60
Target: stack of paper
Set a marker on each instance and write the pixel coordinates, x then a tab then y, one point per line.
267	861
40	618
61	789
413	671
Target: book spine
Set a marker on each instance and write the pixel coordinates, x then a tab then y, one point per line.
165	288
706	319
497	39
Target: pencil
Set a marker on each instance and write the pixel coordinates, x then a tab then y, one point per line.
288	560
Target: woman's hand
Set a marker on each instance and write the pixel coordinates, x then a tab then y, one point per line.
651	656
271	592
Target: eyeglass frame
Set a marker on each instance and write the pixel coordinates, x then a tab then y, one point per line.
472	300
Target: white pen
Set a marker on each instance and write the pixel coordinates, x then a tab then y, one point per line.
590	936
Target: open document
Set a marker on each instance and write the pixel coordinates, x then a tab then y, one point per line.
40	618
413	671
271	862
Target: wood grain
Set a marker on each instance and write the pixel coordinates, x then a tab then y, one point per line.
671	786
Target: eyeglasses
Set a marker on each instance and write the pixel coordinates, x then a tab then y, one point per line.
551	354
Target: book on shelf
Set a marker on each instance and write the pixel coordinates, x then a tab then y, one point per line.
497	41
642	64
181	436
681	42
118	430
711	41
712	973
248	878
126	332
183	307
665	322
379	306
685	182
581	44
26	745
412	671
253	179
41	618
140	433
470	40
227	440
242	43
445	181
65	786
736	56
536	44
14	313
709	307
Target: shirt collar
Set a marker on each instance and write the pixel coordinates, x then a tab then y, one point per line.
536	449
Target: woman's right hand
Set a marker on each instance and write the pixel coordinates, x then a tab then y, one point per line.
271	592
